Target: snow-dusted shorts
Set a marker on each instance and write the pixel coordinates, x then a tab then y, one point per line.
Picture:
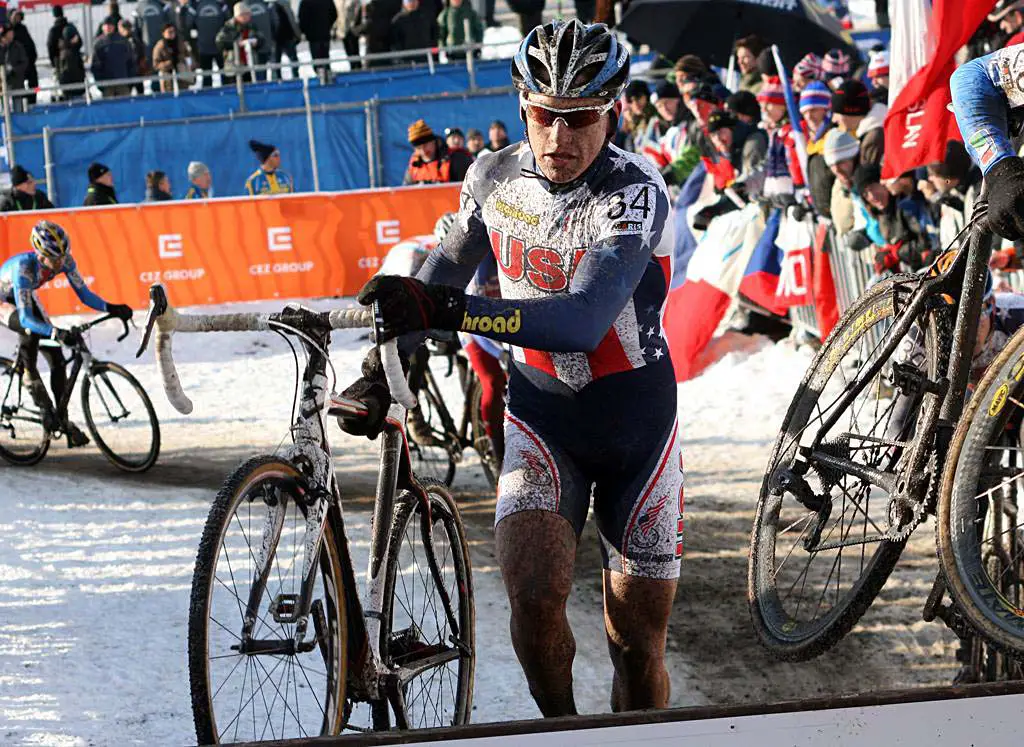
619	445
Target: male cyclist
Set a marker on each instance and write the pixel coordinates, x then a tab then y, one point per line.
580	233
20	310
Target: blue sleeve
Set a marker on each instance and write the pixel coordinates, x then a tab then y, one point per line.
85	295
981	106
24	287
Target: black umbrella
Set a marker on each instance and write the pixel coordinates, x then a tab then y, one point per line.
708	28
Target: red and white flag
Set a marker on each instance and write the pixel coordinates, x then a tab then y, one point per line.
919	125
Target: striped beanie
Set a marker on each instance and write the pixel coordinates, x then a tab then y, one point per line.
815	94
420	132
840	146
809	67
878	65
771	92
836	63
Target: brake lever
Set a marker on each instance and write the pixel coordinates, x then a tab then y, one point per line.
124	323
157	307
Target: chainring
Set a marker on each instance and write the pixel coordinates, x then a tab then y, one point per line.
920	508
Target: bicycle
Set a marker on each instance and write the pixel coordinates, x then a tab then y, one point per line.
439	456
845	448
311	648
118	413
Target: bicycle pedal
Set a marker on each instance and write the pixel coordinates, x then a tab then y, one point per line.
284	608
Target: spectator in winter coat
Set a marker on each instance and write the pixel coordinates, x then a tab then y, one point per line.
185	21
113	13
497	135
200	181
952	188
815	109
54	35
265	22
210	18
475	142
101	186
240	31
411	28
151	16
268	179
781	168
24	38
724	164
807	71
842	154
668	109
454	139
746	50
431	163
286	35
70	66
451	27
316	19
171	56
854	112
14	57
878	74
158	187
836	67
374	25
636	114
112	59
140	65
24	194
903	223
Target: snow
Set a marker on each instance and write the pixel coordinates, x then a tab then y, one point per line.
96	566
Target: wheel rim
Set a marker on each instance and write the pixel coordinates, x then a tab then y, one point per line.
270	696
21	424
119	417
420	627
802	592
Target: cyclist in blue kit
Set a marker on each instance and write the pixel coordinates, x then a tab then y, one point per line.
20	277
580	232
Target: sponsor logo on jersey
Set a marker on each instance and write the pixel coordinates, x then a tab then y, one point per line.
497	324
628	225
543	267
511	211
984	145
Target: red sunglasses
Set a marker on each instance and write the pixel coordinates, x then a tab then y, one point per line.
575	118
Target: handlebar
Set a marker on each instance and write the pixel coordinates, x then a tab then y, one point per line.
105	318
167	320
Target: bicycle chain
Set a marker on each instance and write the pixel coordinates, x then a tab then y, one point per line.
920	512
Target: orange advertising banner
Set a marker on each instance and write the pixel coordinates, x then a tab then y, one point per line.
238	249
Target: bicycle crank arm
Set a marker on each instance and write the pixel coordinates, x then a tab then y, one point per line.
875	477
429	658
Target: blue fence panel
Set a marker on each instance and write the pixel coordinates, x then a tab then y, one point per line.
457	111
341	155
130	152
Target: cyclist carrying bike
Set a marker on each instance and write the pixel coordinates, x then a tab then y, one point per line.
580	231
20	277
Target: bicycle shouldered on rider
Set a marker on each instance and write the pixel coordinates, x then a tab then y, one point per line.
583	242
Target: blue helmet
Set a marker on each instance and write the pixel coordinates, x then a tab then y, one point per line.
571	60
50	240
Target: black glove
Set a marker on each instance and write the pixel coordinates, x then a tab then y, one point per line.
1005	189
408	305
372	390
66	336
122	312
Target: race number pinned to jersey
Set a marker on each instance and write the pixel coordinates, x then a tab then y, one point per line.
631	211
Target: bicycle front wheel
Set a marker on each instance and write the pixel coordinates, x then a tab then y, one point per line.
428	615
120	417
820	552
250	679
980	512
23	439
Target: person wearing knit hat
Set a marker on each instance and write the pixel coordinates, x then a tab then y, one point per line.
268	179
24	194
815	102
772	99
200	181
419	133
815	96
840	146
878	68
835	67
431	161
702	102
854	111
101	186
806	71
744	105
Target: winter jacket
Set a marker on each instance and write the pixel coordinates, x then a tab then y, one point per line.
871	134
15	200
150	18
262	182
287	26
375	23
53	38
196	193
70	66
842	209
99	194
185	21
452	28
751	81
905	228
112	58
234	32
14	57
22	36
316	18
410	29
210	19
265	22
168	54
447	166
155	194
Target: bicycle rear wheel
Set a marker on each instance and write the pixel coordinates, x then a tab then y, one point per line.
433	459
428	616
818	561
23	439
980	512
252	683
120	417
483	444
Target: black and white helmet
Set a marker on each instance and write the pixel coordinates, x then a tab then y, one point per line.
571	60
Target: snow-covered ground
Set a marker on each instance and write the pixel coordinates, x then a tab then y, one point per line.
95	566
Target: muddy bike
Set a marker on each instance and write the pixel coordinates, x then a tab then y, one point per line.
280	644
118	413
438	454
868	451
